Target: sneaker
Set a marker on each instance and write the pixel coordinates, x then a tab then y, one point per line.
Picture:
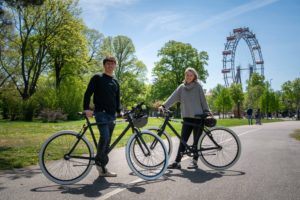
193	164
174	165
106	173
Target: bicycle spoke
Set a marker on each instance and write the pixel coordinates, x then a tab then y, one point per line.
229	150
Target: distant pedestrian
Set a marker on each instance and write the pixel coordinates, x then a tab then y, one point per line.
249	115
258	117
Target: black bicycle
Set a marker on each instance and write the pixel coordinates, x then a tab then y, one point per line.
218	147
67	156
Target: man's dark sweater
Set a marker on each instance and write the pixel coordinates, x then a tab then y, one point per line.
106	92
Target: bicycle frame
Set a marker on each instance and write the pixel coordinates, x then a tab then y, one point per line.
89	126
189	148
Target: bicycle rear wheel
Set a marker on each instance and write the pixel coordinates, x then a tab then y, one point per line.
146	162
61	167
220	148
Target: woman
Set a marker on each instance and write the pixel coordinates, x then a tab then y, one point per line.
192	102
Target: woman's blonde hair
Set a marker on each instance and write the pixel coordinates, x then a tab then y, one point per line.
193	71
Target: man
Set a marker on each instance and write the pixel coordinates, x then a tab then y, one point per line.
106	99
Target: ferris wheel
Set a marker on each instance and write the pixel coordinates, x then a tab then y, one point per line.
231	72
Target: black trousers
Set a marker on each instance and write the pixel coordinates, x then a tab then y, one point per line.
185	134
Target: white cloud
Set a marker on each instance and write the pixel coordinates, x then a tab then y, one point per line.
165	21
95	11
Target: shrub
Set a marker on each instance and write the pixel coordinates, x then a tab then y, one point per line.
48	115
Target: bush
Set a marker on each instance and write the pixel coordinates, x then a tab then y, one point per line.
70	97
48	115
29	107
11	105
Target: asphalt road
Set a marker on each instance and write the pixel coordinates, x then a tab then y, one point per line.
269	168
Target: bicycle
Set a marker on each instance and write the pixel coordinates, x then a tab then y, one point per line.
218	147
67	156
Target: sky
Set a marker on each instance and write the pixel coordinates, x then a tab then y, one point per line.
205	25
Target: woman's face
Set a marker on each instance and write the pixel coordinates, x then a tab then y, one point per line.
189	77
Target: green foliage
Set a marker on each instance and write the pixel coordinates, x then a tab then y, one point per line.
224	101
11	104
255	89
215	92
132	91
122	48
70	97
168	72
269	101
65	100
237	95
291	95
94	41
68	50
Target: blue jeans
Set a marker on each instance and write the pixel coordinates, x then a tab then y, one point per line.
106	131
249	119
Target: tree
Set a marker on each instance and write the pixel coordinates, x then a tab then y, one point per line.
36	28
224	101
255	89
68	50
130	71
122	48
42	40
94	42
291	95
168	72
237	95
212	99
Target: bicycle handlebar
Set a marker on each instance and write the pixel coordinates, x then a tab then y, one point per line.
168	113
133	109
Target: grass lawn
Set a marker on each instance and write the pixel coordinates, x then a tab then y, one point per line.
296	134
20	142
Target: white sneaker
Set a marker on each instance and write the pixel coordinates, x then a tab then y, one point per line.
193	164
106	173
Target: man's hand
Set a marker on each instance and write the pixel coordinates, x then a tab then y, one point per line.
120	114
89	113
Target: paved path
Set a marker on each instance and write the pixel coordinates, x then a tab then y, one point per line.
269	168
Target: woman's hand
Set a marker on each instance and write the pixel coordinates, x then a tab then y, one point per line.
161	109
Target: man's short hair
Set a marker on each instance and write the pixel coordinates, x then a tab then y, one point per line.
109	59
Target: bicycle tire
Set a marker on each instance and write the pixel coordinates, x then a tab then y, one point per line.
59	168
147	171
165	137
231	148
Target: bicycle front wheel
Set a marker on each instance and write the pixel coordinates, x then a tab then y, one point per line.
220	148
165	137
145	161
66	159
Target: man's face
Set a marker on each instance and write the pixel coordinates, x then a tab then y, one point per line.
109	67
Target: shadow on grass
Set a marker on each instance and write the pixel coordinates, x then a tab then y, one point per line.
10	169
6	162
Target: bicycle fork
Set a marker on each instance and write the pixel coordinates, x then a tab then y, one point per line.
142	144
